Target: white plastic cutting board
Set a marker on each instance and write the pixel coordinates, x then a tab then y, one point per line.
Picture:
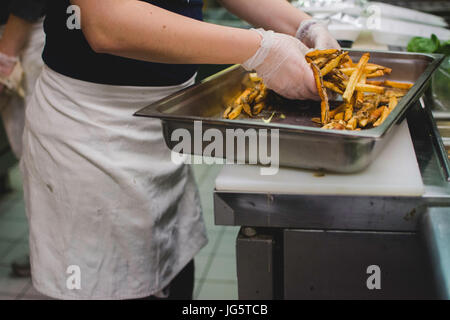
394	172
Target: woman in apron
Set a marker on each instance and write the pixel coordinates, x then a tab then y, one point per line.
111	217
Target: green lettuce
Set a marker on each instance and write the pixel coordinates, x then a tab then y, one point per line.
429	45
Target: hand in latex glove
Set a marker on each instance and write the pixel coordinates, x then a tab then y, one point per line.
315	34
280	62
7	65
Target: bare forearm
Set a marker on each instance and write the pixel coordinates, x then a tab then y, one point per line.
277	15
15	36
142	31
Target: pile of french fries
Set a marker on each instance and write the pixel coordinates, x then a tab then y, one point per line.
252	100
366	103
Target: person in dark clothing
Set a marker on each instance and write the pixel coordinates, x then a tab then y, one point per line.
29	10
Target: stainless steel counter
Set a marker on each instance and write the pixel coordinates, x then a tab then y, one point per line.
284	251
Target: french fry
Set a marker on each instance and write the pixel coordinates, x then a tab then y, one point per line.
375	114
238	104
355	77
391	84
359	102
236	111
375	74
392	103
395	93
367	69
258	108
373	68
385	69
360	94
348	113
324	105
335	125
341	75
383	117
348	71
320	53
339	116
247	109
338	80
363	115
262	94
250	98
244	96
337	110
332	87
349	108
370	88
368	107
227	111
351	124
375	82
321	62
371	64
398	85
363	122
348	62
333	64
254	77
337	74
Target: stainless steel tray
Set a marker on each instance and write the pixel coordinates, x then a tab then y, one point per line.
302	144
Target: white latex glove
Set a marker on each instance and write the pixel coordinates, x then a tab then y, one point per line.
280	62
315	34
7	64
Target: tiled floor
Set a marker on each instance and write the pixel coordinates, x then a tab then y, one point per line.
215	274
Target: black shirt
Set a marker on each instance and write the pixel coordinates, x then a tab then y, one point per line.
30	10
68	52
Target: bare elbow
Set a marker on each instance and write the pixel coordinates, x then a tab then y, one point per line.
94	25
98	45
99	42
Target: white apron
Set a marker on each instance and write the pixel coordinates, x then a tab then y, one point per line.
102	195
13	114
